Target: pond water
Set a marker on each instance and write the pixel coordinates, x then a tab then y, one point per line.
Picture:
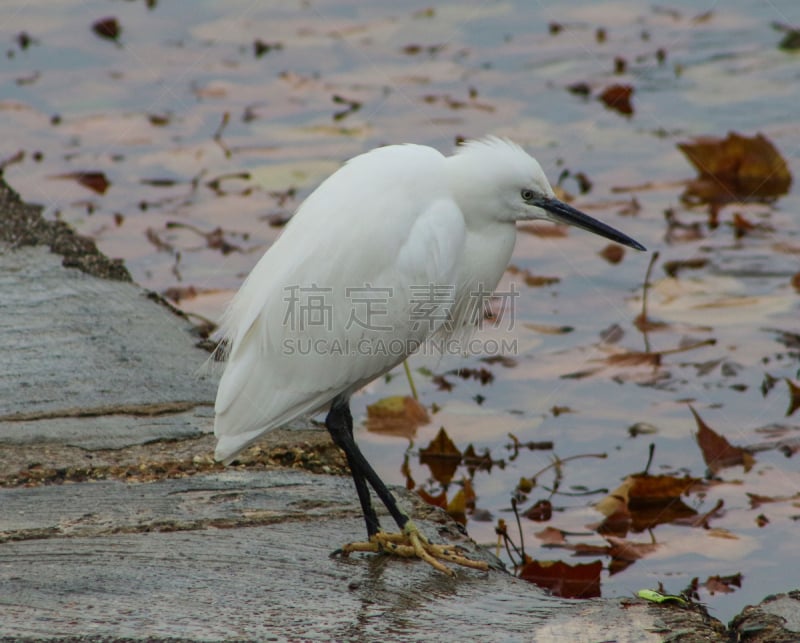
202	125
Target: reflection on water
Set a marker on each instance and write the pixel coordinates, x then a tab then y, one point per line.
184	143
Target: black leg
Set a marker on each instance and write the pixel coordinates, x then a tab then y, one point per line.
340	425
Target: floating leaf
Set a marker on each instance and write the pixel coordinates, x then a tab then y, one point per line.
735	168
442	457
108	28
567	581
796	281
794	397
95	181
718	453
534	281
541	511
644	501
656	597
397	415
618	98
437	501
551	536
612	253
457	507
723	584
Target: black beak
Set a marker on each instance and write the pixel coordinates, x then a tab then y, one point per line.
563	213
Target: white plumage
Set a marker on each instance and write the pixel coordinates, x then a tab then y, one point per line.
393	218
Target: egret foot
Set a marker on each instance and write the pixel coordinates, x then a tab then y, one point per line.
412	544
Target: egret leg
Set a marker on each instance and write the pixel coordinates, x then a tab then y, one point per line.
339	423
410	543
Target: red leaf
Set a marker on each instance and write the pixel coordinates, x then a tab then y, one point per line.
567	581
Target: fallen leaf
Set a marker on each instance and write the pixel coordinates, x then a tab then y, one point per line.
457	507
643	501
618	98
567	581
549	330
541	511
437	501
551	536
717	452
633	358
580	89
735	168
794	397
672	268
397	415
723	584
95	181
623	549
530	279
757	500
442	457
796	281
108	28
612	253
656	597
544	230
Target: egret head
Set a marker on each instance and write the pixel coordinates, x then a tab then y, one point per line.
494	179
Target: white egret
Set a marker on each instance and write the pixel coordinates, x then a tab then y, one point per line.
335	302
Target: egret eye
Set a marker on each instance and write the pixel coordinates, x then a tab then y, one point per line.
526	194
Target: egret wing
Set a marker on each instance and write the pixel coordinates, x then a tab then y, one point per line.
328	308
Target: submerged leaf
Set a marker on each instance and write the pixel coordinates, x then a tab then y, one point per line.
397	415
567	581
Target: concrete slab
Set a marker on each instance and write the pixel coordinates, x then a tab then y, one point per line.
245	555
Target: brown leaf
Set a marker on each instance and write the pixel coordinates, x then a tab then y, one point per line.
612	253
567	581
627	550
644	323
794	397
616	524
618	98
757	500
95	181
672	268
544	230
108	28
437	501
649	490
741	226
723	584
541	511
442	457
633	358
644	501
397	415
530	279
735	168
796	281
717	452
551	536
442	383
